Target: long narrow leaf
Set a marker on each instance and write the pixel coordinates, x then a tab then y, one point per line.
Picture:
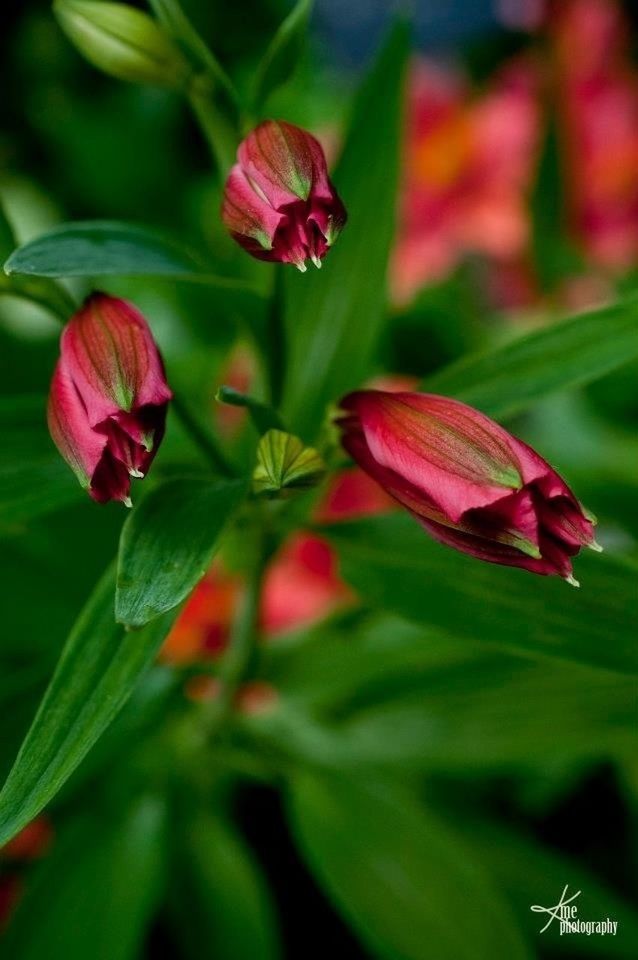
511	378
97	671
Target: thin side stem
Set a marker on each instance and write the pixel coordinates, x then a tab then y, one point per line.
276	341
218	132
237	660
51	296
202	437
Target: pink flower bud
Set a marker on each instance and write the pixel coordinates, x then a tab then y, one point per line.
469	482
279	203
108	398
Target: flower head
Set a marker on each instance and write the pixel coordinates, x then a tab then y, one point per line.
279	203
108	397
469	482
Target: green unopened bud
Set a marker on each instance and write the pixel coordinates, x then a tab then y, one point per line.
123	42
284	462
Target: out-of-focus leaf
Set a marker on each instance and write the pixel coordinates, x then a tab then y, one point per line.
100	248
394	566
408	887
94	893
400	696
33	477
511	378
7	238
282	55
529	873
168	542
324	668
554	254
218	896
96	673
496	712
333	317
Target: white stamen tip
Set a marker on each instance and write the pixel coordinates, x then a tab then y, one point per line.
596	547
127	502
316	260
572	581
135	473
301	266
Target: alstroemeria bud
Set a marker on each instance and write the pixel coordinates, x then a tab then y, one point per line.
469	482
108	398
279	203
122	41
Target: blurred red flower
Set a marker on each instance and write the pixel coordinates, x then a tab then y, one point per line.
597	91
467	168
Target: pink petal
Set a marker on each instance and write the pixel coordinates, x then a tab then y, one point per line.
285	163
80	446
109	351
455	456
248	216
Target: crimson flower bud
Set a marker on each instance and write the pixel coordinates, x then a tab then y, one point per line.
470	483
108	397
279	203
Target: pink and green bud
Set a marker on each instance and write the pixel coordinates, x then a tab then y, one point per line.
279	203
108	398
470	483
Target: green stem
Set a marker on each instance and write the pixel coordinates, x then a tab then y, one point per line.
202	438
44	293
217	130
276	351
237	660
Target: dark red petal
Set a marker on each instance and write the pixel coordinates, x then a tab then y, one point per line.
553	561
564	521
110	481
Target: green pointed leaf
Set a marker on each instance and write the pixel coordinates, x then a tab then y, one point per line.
218	896
394	566
404	884
94	893
512	377
100	248
283	462
168	542
283	53
334	316
99	666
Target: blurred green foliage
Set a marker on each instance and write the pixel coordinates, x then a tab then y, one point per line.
432	748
